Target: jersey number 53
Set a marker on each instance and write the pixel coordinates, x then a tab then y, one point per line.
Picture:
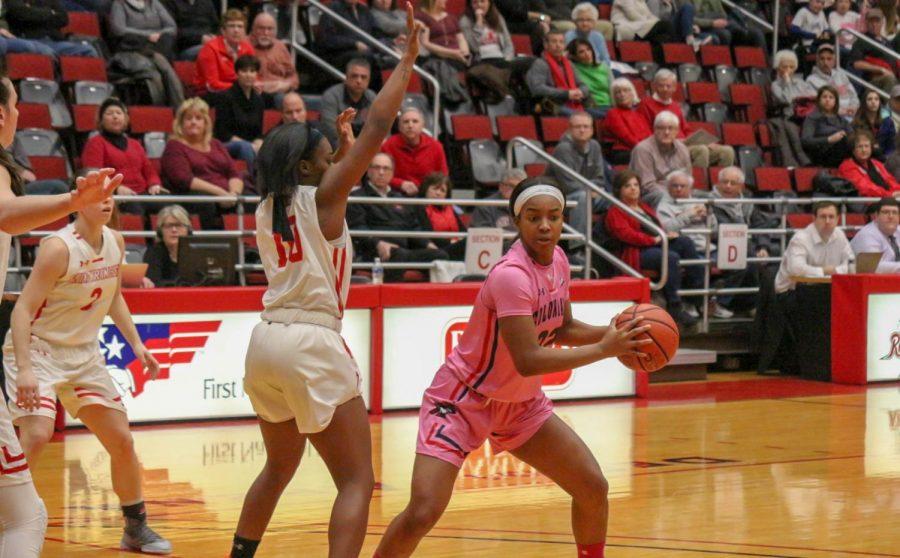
292	250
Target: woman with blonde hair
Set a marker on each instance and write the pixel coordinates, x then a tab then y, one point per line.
172	222
624	125
195	163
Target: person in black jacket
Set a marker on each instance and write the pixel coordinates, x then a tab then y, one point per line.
526	17
197	22
43	21
239	112
173	222
338	46
388	218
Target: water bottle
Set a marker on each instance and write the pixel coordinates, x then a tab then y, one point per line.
377	272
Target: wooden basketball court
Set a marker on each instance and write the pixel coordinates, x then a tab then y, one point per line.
746	467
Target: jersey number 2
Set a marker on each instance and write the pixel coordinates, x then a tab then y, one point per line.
294	250
95	296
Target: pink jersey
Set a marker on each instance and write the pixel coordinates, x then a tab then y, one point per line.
517	286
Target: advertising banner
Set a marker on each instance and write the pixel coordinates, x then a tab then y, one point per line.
201	359
883	338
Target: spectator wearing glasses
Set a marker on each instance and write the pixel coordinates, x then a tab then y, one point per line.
173	222
215	62
882	235
657	156
676	216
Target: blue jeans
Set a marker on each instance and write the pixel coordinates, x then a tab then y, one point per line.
68	48
24	46
190	53
680	247
243	150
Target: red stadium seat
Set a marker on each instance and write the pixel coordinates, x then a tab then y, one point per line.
49	167
231	224
20	66
34	115
640	86
856	219
803	178
750	57
35	240
471	127
85	117
509	127
678	53
737	134
605	10
456	7
694	125
743	94
611	49
700	92
151	119
701	178
271	118
82	68
83	23
772	179
799	220
635	51
186	71
130	222
553	128
715	55
714	175
535	169
522	44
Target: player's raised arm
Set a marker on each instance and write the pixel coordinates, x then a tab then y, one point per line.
20	214
339	179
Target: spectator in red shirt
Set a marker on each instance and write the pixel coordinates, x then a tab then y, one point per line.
415	154
866	173
195	163
624	125
277	74
112	148
215	63
663	98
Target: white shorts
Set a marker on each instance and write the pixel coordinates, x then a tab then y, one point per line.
23	522
13	467
77	375
299	371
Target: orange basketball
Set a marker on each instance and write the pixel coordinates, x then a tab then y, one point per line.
663	332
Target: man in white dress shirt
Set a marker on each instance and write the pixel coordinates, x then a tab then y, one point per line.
819	250
882	235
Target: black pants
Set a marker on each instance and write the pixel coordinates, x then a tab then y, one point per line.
412	255
679	248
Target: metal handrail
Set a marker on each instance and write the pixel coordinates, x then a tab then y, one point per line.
593	188
390	52
853	77
295	11
749	15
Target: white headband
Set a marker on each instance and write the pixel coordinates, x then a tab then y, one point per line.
537	190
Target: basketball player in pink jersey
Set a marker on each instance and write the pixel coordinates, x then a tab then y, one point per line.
490	386
23	518
51	351
300	376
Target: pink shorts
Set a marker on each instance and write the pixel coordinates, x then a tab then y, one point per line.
454	420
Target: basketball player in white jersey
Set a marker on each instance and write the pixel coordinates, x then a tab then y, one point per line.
51	351
23	518
300	376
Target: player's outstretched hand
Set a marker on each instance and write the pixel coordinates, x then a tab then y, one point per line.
95	187
148	360
414	30
617	342
27	394
344	126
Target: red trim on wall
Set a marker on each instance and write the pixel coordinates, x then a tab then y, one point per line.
849	322
376	360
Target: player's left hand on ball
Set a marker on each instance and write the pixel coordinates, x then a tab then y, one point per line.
148	360
620	341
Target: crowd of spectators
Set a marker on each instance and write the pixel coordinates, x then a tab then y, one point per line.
645	157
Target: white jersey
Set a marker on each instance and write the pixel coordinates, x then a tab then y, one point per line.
77	304
310	273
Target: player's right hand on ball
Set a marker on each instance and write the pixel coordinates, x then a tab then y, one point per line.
27	395
623	341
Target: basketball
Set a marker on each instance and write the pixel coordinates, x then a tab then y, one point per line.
663	332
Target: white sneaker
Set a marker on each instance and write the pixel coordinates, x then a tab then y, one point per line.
720	312
691	311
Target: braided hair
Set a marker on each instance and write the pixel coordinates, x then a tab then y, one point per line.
278	168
